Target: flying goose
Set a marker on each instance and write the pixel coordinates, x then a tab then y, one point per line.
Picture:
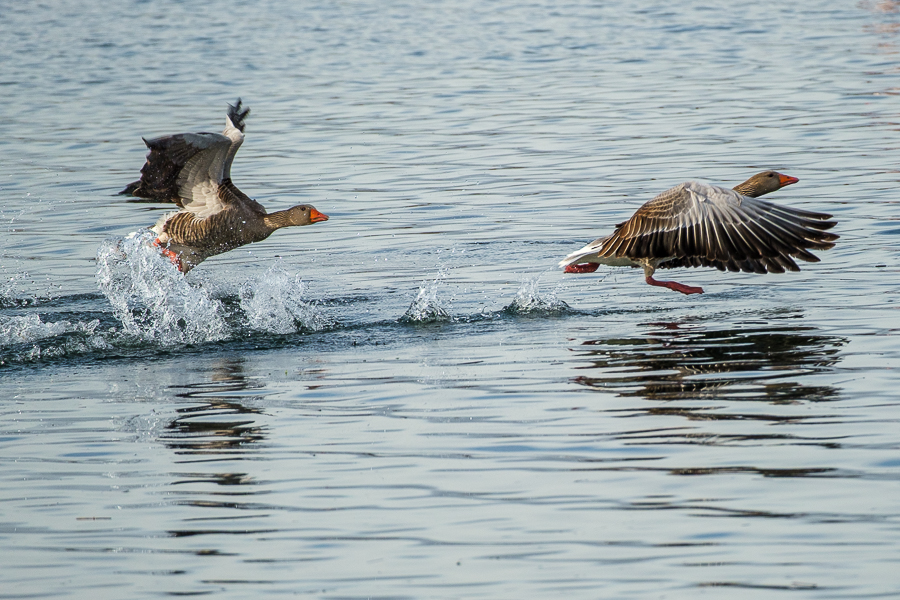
700	225
193	170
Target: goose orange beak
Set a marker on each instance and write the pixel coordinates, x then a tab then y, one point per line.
315	216
786	179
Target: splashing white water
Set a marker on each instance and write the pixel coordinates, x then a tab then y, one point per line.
30	328
530	301
272	303
46	339
425	308
151	298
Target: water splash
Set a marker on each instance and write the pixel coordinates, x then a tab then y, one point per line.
272	303
425	308
530	301
30	328
151	298
28	338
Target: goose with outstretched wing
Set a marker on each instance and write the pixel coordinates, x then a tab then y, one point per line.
193	170
701	225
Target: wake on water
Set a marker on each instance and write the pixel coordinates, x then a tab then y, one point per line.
30	331
156	303
271	303
529	301
426	308
152	302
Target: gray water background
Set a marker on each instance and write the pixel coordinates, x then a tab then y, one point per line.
410	400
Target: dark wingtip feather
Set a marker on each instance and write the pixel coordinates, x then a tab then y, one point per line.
237	115
130	188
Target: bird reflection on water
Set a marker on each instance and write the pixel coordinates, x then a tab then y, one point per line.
686	361
730	384
221	422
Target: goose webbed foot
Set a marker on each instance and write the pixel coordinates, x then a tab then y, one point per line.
673	285
168	254
582	268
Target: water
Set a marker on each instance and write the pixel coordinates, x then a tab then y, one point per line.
411	400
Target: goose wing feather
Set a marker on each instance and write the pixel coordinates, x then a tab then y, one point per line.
696	224
203	176
189	168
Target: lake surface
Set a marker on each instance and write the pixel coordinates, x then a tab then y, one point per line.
411	400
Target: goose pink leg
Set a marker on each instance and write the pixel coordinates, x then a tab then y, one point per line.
672	285
168	253
582	268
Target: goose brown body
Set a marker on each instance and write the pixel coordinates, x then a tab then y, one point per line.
193	170
700	225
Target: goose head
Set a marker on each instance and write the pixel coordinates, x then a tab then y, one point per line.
764	183
304	214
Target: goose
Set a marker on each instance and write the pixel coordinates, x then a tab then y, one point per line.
193	170
700	225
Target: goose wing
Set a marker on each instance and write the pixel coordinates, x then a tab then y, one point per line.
193	170
696	224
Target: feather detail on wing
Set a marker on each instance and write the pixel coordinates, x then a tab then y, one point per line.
167	157
590	253
234	130
199	179
188	168
696	224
